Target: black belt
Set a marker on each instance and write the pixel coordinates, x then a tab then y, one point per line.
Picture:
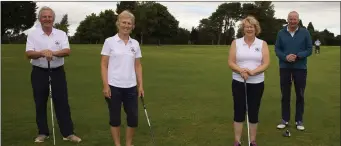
46	69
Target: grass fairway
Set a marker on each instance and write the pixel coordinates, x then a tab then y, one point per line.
187	94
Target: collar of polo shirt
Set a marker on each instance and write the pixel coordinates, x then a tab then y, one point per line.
118	39
43	33
254	41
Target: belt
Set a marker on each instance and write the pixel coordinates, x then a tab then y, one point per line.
46	69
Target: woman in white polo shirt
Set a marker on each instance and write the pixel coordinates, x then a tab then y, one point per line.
248	59
121	72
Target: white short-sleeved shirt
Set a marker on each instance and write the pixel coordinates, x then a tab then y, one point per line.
38	40
317	43
121	67
249	58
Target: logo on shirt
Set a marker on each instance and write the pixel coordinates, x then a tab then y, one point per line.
132	49
257	49
57	43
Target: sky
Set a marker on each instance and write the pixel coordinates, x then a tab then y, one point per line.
323	15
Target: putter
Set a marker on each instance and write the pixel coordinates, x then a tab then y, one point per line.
247	114
287	133
50	89
150	127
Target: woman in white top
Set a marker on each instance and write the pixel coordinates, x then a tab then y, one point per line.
121	72
248	59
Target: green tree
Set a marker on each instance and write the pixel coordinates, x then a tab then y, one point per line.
107	24
63	24
311	30
88	30
300	24
144	11
327	37
166	24
17	16
217	24
206	32
230	14
182	36
95	29
126	5
194	36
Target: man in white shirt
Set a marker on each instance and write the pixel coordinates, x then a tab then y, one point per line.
47	44
317	46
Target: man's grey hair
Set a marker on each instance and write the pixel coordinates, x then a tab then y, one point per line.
46	8
298	16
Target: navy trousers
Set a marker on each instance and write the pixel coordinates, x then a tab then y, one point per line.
287	76
40	85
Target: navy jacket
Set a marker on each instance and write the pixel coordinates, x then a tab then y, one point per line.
300	45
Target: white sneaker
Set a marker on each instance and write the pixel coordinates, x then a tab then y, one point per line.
72	138
40	138
283	124
299	126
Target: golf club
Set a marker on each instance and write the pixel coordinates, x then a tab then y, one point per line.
247	113
150	127
287	133
50	89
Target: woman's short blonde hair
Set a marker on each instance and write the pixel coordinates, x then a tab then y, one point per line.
125	14
253	21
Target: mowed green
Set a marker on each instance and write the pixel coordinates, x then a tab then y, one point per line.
187	95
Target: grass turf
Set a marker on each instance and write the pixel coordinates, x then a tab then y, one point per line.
187	94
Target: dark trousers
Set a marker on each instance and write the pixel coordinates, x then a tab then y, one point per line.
254	96
317	49
127	96
40	85
298	76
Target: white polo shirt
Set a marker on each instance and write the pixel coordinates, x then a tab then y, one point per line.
249	58
121	67
37	40
317	43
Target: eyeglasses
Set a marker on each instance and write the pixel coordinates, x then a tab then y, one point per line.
46	17
249	27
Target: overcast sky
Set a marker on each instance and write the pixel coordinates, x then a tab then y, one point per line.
323	15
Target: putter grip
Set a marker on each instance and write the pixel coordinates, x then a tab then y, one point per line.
49	66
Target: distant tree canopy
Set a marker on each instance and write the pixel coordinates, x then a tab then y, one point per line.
63	24
163	28
17	16
156	25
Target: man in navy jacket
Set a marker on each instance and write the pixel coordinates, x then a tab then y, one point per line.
293	47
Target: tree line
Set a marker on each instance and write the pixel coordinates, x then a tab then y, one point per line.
156	25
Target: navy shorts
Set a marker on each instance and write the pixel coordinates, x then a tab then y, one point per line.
254	96
127	96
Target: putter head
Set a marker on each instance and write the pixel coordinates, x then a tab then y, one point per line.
287	133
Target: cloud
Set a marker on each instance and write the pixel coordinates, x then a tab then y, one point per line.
323	15
190	13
